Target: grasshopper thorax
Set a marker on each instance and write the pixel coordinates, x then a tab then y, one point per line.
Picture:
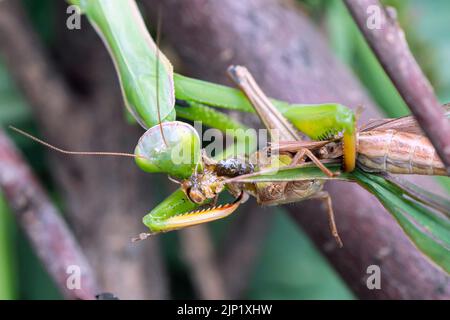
233	167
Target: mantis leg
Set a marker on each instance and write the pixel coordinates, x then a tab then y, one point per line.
177	212
210	117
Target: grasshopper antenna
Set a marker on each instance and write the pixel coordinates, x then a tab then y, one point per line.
158	38
81	153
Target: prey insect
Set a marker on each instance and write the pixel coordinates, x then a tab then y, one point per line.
396	146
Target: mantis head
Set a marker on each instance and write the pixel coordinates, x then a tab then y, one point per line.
170	147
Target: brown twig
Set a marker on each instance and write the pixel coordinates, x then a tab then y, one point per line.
389	44
290	60
53	241
198	252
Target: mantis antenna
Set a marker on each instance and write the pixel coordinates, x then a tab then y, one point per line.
81	153
158	38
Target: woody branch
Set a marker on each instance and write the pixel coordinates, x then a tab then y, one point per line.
388	42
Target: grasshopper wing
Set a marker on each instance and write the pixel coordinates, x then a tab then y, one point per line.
404	124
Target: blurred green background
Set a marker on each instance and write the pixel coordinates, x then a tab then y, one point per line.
289	267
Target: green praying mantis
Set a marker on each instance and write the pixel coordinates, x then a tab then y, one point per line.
290	169
379	147
207	178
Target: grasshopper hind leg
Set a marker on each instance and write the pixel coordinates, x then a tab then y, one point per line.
298	158
306	190
326	198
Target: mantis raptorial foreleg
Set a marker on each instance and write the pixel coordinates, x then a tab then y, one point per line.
177	212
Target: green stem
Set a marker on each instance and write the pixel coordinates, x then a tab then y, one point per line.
8	285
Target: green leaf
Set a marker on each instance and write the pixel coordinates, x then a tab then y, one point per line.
421	195
429	231
298	173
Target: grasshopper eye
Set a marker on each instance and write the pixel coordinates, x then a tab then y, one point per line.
195	195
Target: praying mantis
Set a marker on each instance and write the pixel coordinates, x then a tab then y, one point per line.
403	150
325	121
289	169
